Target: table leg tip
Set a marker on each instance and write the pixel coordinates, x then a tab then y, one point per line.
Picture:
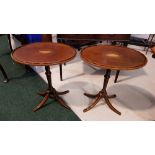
6	80
67	91
35	109
112	96
85	110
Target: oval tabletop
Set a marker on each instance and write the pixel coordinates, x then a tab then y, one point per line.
113	57
43	54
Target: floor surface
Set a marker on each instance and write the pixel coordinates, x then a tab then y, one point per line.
135	90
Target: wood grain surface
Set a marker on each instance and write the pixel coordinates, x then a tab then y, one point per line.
113	57
43	54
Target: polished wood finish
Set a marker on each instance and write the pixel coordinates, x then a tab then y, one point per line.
44	38
114	37
47	38
60	68
116	76
51	92
102	94
45	54
111	58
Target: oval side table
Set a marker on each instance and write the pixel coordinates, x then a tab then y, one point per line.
45	54
111	58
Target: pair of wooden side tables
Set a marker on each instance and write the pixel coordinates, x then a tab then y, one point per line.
106	57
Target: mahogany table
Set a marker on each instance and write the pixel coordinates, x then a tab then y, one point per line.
111	58
45	54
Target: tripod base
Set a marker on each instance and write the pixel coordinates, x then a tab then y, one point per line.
100	95
54	95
